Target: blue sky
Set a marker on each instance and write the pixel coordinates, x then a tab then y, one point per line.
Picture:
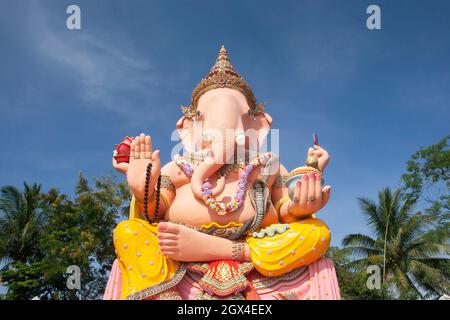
373	97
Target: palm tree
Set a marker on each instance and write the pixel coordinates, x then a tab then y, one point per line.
20	223
412	260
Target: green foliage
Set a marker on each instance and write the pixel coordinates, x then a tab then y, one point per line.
428	180
413	260
24	280
352	282
44	233
21	224
411	248
41	234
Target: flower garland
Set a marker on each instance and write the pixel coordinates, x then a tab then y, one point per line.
221	207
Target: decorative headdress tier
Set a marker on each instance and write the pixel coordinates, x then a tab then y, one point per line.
222	75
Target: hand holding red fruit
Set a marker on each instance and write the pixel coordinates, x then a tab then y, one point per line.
131	157
121	155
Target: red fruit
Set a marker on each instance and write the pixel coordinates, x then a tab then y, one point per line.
123	150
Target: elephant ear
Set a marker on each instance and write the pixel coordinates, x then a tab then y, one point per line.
261	124
185	128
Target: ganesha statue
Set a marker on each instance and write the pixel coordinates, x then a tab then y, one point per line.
224	219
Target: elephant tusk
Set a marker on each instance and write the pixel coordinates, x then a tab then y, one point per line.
240	139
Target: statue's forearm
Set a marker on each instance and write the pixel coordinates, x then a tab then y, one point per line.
217	248
288	217
166	196
136	183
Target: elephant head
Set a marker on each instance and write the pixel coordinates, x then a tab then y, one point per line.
223	127
223	120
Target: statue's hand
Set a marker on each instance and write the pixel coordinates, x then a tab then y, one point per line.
309	196
140	156
321	154
121	167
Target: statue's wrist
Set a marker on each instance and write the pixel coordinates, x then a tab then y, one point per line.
296	214
151	198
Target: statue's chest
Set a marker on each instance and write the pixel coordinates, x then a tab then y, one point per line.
232	179
187	209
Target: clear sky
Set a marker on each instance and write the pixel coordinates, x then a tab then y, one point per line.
373	97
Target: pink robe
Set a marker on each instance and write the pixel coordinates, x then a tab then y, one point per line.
315	282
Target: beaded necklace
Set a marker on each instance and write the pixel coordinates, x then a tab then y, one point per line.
223	208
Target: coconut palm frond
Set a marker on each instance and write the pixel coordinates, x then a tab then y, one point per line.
20	221
411	229
404	283
359	239
11	201
421	248
428	276
404	244
360	251
372	214
363	263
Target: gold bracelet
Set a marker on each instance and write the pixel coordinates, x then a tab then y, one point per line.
238	250
280	202
303	170
166	202
152	198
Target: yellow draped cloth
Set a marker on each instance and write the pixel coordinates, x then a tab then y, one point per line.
280	248
275	250
145	271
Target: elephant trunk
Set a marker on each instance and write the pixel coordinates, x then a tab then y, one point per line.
223	151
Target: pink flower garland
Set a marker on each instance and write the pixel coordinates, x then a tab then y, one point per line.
221	207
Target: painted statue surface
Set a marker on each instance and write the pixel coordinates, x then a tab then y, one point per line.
225	219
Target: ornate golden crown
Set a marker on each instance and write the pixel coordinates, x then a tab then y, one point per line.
222	75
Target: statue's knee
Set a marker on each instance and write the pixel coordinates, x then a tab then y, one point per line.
126	234
325	234
318	233
122	229
121	236
315	221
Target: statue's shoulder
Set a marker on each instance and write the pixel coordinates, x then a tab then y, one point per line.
172	170
277	178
